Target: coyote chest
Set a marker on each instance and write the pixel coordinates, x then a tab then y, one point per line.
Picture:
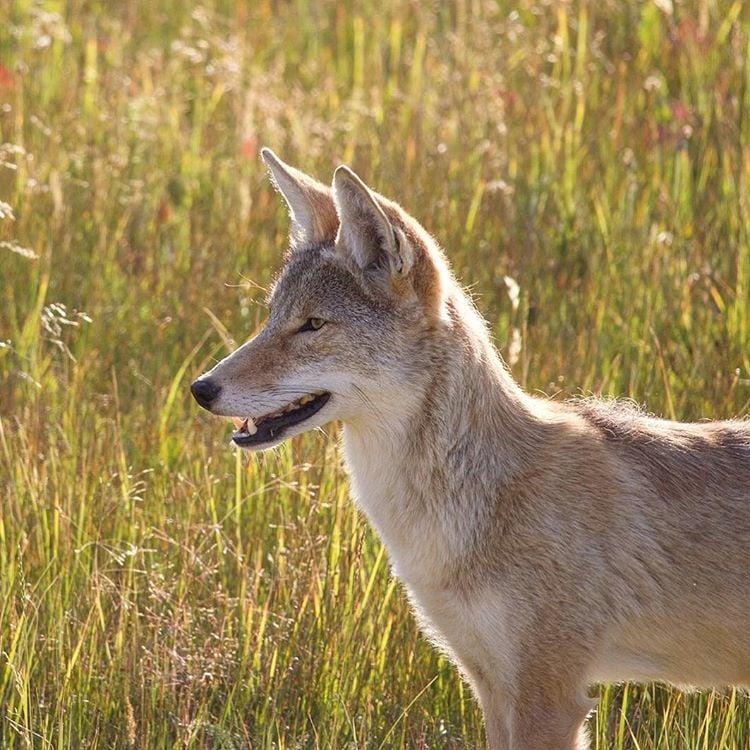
424	548
393	495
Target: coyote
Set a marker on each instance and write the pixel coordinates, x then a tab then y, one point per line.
545	546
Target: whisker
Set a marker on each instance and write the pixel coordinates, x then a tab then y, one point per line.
366	400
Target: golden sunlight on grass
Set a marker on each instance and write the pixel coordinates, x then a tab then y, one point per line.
586	167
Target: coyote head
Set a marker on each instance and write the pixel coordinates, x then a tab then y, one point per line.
354	318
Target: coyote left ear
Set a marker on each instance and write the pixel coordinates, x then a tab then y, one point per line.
310	203
364	228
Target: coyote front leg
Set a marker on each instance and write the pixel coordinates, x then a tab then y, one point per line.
496	709
545	726
534	720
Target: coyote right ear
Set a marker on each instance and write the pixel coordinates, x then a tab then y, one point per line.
314	218
366	232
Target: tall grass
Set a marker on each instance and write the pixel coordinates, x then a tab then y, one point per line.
158	589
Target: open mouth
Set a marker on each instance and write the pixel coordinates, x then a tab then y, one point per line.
271	427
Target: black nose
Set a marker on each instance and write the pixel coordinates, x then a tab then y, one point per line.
204	391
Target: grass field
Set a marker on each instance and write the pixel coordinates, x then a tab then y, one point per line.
159	590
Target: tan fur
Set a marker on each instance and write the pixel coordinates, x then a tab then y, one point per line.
544	546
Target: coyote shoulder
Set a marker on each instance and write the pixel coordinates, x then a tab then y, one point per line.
544	546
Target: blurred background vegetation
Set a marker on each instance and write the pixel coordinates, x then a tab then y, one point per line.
585	165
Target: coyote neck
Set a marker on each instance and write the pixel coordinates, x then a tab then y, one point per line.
433	471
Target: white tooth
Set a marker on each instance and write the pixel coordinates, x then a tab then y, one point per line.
306	400
250	427
290	407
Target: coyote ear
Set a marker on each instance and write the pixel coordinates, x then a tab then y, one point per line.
310	203
364	228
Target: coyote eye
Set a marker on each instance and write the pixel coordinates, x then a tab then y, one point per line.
312	324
